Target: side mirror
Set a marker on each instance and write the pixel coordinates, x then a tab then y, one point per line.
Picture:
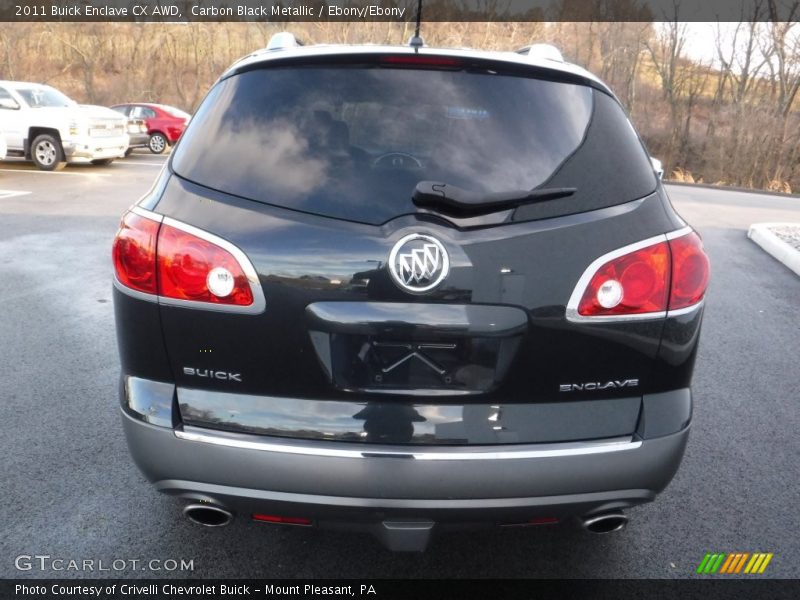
8	104
657	167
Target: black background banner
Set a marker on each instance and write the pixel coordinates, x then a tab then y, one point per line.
153	589
397	10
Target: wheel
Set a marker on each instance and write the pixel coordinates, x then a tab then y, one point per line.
47	153
158	143
102	161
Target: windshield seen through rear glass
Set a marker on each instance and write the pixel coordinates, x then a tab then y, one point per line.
353	142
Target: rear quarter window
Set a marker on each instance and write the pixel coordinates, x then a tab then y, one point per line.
352	143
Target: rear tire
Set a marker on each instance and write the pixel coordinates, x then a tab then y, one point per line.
102	161
157	143
47	153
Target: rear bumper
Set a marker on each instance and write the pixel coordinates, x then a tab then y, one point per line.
88	149
138	140
358	484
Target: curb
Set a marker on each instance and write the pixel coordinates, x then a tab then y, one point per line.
731	188
773	245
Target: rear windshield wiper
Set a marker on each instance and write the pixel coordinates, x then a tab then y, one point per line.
449	198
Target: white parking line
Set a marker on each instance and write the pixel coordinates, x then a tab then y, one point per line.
11	193
37	172
138	163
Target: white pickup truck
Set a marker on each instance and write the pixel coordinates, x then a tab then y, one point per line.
43	125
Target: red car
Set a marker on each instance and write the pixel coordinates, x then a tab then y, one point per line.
165	124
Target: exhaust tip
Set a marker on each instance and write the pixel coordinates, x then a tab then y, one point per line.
207	515
606	522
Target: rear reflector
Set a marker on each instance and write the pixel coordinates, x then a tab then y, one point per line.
535	521
543	521
665	273
181	263
281	519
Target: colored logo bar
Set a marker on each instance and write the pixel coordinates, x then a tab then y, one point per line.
734	563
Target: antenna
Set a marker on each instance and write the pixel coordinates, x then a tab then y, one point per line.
416	41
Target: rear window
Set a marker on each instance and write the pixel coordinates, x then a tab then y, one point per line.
175	112
353	143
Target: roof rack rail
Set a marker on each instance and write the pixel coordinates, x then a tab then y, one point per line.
546	51
283	40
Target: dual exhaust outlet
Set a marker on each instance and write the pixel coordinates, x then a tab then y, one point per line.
208	515
607	522
212	515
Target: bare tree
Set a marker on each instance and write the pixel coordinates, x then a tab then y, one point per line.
666	52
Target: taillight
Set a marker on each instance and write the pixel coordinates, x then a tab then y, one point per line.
180	263
192	268
630	284
648	279
689	271
134	253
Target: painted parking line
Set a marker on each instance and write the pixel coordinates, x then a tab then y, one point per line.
138	163
37	172
11	193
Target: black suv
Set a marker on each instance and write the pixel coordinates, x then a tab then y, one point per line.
396	289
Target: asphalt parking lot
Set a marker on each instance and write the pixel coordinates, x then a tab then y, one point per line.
69	489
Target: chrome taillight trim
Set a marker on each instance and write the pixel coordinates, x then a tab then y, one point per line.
678	233
147	214
259	303
577	293
686	309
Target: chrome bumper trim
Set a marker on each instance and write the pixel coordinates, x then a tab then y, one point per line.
246	442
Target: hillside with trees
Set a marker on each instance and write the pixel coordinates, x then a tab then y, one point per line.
733	120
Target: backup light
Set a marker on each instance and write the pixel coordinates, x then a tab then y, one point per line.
610	294
220	282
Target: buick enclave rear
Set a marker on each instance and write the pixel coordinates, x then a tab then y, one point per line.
400	289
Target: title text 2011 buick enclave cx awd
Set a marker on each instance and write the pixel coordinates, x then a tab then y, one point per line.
397	289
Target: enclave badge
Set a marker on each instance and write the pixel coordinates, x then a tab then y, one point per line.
418	263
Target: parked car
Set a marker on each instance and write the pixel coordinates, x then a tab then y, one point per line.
469	306
45	126
165	124
3	146
137	132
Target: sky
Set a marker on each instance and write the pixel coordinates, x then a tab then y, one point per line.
701	39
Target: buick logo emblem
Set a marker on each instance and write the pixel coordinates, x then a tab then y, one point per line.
418	263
